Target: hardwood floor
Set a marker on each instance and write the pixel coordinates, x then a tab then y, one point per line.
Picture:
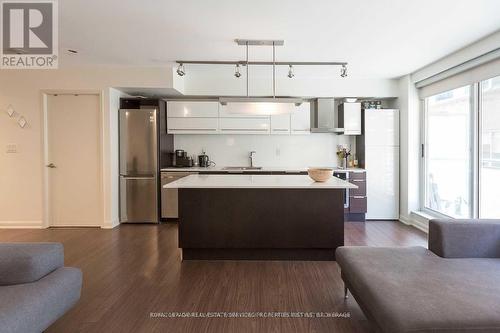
133	270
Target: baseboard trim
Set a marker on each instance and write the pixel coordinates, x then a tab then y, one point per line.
418	222
22	225
110	224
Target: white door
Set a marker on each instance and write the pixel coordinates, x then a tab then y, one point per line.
73	160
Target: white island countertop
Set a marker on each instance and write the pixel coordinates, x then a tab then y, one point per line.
263	169
257	181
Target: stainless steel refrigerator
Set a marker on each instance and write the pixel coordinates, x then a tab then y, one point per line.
138	165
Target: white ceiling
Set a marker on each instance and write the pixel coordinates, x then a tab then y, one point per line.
383	38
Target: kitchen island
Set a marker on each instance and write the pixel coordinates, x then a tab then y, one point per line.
260	217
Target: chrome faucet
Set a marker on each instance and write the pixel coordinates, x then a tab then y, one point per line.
252	154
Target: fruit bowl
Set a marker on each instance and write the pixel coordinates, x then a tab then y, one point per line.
320	174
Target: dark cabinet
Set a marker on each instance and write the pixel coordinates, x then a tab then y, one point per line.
357	205
357	197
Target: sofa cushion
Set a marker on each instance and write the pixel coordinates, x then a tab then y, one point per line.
33	307
414	290
28	262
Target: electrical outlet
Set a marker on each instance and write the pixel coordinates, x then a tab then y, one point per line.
11	148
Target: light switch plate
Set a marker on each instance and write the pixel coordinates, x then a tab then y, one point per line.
11	148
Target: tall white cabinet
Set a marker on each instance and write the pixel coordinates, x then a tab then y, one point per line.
378	152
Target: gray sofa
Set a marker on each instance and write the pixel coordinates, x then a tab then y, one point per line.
35	287
454	286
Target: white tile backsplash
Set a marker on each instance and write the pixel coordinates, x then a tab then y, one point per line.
317	149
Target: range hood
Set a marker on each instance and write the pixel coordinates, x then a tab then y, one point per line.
324	116
260	105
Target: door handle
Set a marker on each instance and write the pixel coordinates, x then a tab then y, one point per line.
51	165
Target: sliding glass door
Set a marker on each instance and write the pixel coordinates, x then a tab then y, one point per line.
448	153
461	151
489	180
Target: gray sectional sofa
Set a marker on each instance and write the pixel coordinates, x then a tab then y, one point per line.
35	287
454	286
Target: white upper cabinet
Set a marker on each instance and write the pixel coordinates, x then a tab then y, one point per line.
193	125
210	117
300	119
244	125
237	110
350	118
192	109
192	117
280	124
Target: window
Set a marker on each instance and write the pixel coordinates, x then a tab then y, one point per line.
448	159
489	183
461	160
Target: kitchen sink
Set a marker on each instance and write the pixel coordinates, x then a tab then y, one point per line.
241	168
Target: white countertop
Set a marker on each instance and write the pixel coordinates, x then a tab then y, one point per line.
264	169
257	181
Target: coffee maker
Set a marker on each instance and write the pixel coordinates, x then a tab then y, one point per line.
181	160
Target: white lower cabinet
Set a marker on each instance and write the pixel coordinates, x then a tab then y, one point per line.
280	124
192	125
244	125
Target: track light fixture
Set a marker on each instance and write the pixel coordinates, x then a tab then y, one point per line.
237	73
180	70
290	71
343	71
246	63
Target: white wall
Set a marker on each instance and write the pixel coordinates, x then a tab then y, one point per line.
298	151
111	167
21	189
309	81
472	51
410	148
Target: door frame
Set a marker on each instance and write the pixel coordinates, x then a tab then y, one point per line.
45	147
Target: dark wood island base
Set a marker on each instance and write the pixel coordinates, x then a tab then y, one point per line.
260	223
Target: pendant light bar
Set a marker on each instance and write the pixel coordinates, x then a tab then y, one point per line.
277	63
260	42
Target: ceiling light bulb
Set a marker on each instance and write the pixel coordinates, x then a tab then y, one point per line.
237	71
343	71
180	70
290	72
